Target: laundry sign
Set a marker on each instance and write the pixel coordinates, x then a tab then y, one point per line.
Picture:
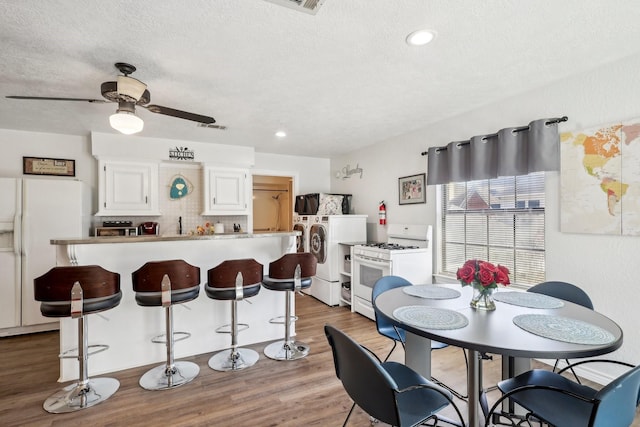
181	153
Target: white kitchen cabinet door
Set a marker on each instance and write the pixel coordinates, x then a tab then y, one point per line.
128	188
226	191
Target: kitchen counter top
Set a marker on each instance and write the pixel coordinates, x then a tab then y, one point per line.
169	238
131	327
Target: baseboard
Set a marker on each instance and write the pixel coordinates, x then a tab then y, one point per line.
584	371
21	330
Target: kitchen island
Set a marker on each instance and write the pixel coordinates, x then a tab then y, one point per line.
129	328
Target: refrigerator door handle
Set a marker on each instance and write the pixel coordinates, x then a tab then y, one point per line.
16	235
25	236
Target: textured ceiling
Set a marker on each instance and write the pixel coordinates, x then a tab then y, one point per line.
335	81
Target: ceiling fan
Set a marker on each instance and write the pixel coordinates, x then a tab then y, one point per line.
129	92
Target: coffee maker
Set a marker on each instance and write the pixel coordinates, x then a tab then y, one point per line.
147	228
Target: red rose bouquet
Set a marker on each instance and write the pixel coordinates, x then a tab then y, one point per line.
483	274
484	277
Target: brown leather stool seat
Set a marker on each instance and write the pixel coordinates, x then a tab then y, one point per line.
234	280
164	284
289	273
77	292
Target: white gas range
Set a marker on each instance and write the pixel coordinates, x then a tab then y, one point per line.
407	253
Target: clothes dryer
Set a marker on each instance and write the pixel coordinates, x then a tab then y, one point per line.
325	235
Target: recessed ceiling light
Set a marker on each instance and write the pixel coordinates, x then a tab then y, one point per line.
420	37
281	134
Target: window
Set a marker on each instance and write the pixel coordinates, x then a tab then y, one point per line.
498	220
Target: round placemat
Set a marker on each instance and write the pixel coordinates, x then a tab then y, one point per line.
528	299
431	292
430	317
563	329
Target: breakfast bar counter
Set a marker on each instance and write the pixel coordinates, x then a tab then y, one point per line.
129	328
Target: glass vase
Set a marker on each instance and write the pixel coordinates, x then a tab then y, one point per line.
482	298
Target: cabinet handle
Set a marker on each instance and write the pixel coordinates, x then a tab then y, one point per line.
146	200
214	200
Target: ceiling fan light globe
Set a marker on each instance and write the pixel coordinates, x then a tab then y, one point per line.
126	123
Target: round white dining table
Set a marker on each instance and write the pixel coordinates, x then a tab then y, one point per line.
589	334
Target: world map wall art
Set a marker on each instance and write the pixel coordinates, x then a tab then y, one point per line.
600	180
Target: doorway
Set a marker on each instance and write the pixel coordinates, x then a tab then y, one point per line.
272	203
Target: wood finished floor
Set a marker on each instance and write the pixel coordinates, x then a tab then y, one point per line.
271	393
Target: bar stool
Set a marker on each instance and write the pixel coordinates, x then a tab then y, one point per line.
77	292
164	284
289	273
234	280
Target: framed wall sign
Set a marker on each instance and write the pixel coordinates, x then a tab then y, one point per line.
40	166
411	189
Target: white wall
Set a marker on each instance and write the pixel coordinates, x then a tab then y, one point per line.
16	144
311	174
382	165
601	265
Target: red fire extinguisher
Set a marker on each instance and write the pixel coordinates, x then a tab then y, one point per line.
382	213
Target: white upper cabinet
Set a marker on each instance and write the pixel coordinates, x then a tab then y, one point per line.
128	188
226	191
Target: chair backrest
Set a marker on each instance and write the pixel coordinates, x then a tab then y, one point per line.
182	275
224	274
100	290
618	400
366	382
96	282
285	266
384	326
563	290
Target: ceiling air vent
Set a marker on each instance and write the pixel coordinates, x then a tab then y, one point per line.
308	6
211	126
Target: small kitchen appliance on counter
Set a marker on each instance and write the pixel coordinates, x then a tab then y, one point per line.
147	228
116	228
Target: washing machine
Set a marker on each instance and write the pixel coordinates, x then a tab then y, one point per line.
302	223
325	234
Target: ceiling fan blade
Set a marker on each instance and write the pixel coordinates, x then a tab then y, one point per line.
179	114
47	98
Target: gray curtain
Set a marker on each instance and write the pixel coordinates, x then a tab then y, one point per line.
438	166
509	152
459	160
484	157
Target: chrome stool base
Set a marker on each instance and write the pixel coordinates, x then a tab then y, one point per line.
226	360
286	350
163	378
77	396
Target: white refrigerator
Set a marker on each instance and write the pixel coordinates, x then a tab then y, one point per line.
32	212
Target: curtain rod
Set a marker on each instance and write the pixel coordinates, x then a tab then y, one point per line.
493	135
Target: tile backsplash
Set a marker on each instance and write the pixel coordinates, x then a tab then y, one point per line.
188	207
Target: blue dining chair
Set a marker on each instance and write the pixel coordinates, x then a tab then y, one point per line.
398	335
388	391
567	292
554	399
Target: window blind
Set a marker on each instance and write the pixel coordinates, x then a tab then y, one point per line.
499	220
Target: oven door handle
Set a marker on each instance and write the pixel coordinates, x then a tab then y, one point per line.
371	262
